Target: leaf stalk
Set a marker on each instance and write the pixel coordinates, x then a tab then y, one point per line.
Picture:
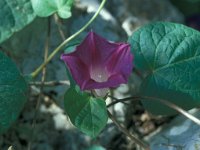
39	69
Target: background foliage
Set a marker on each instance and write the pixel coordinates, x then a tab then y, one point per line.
166	57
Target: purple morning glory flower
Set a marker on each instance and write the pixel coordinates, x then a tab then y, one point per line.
97	63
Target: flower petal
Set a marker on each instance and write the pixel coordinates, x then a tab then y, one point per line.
105	48
95	50
121	61
77	68
97	63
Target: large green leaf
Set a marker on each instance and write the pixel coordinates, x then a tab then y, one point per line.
170	55
14	15
45	8
193	1
187	7
13	92
86	113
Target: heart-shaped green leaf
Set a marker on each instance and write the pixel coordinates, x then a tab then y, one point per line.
14	15
170	55
45	8
87	113
13	92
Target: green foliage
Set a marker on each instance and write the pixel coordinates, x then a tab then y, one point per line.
85	112
45	8
170	55
96	147
71	46
187	7
193	1
14	15
13	92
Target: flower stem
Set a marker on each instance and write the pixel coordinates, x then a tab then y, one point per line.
39	69
163	101
125	131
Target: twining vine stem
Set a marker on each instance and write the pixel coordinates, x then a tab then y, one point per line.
58	22
165	102
126	132
39	69
50	83
169	104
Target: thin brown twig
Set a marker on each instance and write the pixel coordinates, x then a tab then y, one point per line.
165	102
50	83
58	23
46	51
125	131
57	49
175	107
121	100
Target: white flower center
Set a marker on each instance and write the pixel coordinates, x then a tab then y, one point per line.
101	92
99	74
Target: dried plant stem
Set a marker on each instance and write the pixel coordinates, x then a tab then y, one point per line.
39	69
175	107
50	83
126	132
58	23
46	50
121	100
165	102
